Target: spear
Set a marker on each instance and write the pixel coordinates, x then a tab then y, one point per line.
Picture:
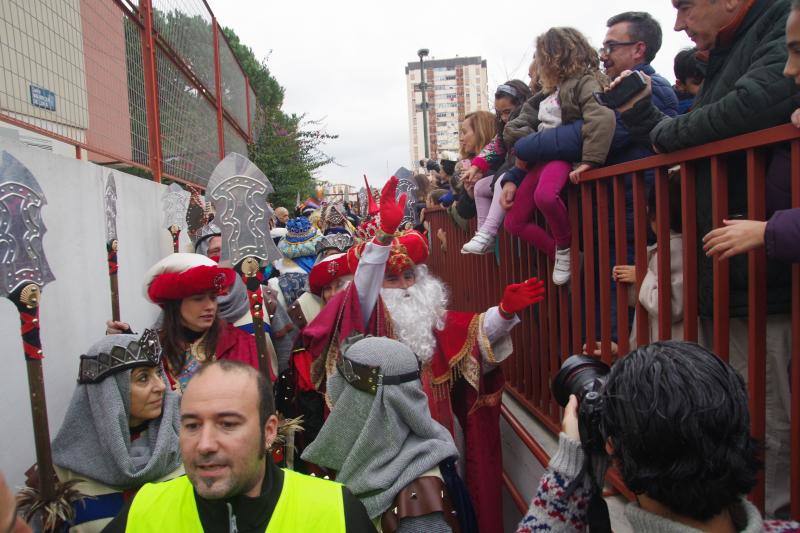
176	203
24	271
112	243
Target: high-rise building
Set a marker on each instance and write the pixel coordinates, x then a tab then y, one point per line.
455	88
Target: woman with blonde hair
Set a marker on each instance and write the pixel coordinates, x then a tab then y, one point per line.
476	131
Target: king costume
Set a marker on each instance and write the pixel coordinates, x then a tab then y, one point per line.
461	378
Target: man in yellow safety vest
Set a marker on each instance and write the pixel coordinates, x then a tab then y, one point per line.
231	485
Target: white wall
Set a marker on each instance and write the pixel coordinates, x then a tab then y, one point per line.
76	305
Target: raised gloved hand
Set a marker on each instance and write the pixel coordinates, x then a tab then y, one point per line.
392	209
518	296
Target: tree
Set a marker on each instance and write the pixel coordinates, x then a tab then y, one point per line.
287	148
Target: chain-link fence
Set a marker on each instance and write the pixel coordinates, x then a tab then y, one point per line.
149	83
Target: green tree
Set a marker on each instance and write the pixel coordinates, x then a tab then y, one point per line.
287	148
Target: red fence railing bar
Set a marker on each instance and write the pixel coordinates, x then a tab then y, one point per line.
757	309
722	270
248	103
575	258
756	139
640	254
516	495
218	83
588	263
621	253
151	89
604	269
689	233
795	421
534	447
662	236
599	212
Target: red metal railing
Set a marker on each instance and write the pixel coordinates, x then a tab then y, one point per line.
139	83
559	327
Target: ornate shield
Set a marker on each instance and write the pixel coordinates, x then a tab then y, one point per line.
176	203
239	191
22	258
363	202
409	187
110	208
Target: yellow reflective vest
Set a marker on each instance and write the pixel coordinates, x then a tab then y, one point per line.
306	504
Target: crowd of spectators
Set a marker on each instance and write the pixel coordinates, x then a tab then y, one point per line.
400	397
742	75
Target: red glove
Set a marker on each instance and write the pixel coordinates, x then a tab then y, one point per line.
518	296
392	209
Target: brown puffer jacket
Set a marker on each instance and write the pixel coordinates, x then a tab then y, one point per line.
577	102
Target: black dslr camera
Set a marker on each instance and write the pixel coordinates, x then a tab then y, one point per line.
584	377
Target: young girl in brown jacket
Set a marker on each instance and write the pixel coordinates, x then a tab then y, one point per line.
568	69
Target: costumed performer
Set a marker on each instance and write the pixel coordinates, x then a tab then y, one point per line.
186	287
393	295
298	247
384	446
120	430
295	392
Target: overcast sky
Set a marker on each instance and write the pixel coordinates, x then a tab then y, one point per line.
344	61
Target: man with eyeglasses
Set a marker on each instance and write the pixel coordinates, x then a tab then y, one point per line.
632	41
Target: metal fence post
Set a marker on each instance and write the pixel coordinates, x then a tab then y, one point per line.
151	89
247	99
218	82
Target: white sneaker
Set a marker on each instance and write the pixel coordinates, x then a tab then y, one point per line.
481	243
561	270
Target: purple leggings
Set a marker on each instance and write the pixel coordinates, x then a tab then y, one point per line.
487	204
541	190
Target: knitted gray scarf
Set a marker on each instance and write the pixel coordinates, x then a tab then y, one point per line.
379	444
94	439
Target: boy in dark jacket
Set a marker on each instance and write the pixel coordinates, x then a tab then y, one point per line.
688	79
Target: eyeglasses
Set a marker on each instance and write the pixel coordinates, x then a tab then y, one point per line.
609	47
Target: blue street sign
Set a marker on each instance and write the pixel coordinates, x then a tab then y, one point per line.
44	98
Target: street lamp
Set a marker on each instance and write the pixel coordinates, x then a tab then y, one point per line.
423	53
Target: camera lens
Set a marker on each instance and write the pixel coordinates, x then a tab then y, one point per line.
579	375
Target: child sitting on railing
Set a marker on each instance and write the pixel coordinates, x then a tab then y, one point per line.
648	293
568	68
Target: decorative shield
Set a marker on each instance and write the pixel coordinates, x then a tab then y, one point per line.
110	208
363	202
409	187
176	203
239	190
22	258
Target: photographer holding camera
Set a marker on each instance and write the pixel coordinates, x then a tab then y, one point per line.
673	418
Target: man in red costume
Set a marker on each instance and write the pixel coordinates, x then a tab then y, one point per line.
393	295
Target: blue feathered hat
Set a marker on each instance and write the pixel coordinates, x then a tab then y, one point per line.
300	239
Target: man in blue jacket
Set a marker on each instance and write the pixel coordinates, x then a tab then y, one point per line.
632	41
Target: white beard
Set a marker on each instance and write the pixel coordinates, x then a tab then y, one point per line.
417	311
